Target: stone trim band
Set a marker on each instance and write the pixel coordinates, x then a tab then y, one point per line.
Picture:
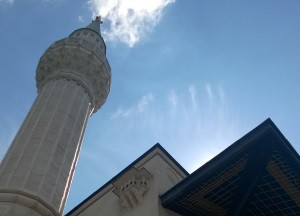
28	200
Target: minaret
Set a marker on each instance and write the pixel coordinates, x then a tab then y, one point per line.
73	81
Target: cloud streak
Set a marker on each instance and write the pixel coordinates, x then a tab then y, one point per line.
7	1
198	121
140	107
129	20
11	2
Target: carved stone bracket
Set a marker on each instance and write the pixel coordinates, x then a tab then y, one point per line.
132	186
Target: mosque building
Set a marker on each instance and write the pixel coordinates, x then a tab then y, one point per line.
258	175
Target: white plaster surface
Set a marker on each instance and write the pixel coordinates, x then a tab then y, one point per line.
165	175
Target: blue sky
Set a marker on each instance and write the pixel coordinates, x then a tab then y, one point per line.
193	75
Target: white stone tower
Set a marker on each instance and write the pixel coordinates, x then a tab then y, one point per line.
73	81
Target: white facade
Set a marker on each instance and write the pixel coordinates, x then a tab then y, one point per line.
124	195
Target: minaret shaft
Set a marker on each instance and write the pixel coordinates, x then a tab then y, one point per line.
46	147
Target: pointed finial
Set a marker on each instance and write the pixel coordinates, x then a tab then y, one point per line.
95	25
99	18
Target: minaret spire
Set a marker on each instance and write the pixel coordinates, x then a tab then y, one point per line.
95	24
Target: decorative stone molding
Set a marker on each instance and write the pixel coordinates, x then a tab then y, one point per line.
26	199
80	57
132	186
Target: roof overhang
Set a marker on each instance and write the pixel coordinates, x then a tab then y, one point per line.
230	182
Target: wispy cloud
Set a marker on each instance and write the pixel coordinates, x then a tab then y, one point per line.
193	95
140	107
7	1
144	102
209	91
11	2
80	19
129	20
173	98
198	121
